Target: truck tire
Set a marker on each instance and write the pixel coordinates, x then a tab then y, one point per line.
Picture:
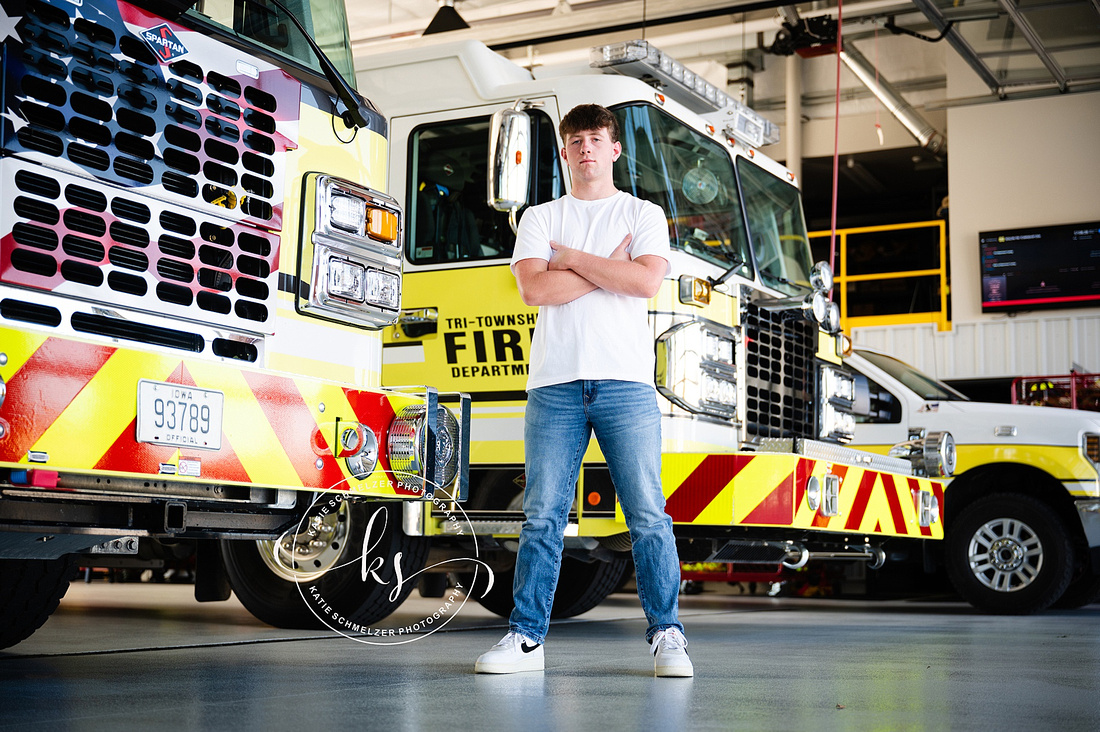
30	590
1083	590
287	592
581	587
1009	554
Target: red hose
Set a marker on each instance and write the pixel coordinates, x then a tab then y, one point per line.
836	141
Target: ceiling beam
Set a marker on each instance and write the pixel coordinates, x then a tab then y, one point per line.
533	26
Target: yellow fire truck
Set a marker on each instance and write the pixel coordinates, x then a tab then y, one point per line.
195	264
756	409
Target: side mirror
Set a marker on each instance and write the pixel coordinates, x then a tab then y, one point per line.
509	160
861	405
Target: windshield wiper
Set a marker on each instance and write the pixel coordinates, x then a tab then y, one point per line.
350	106
738	263
776	279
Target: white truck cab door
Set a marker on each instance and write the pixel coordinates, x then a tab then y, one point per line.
893	409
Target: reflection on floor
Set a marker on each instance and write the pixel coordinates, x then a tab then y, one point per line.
147	656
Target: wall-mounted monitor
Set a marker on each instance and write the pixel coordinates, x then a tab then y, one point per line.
1041	267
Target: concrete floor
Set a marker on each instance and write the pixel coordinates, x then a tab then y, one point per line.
147	657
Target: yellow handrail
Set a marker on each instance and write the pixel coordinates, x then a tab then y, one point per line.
938	316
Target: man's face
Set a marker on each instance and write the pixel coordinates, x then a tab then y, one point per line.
590	154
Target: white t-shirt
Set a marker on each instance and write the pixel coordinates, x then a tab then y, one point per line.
599	335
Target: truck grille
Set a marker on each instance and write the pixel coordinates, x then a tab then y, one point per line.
779	351
102	245
194	151
97	101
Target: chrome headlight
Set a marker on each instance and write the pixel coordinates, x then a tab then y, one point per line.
837	425
356	273
838	386
838	395
695	368
351	282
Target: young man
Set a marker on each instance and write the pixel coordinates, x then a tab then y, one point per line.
591	260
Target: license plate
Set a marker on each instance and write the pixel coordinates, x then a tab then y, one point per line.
182	416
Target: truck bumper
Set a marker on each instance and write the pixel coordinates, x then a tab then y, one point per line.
1088	511
70	421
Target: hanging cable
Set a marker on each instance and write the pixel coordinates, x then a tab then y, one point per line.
746	68
878	106
836	140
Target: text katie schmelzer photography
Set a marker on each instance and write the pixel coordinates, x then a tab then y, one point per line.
373	565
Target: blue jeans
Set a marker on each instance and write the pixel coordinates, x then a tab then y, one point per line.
559	422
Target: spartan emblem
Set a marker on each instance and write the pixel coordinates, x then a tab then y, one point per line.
164	42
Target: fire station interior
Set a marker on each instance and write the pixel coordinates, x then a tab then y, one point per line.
913	129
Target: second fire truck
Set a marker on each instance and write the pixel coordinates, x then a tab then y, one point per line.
756	407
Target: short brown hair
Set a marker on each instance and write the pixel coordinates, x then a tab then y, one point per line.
589	117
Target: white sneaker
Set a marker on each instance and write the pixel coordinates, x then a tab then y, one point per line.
514	653
670	656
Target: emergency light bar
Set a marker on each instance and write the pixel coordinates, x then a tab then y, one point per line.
642	61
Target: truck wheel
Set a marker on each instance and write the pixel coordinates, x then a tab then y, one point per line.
283	582
30	590
581	587
1009	554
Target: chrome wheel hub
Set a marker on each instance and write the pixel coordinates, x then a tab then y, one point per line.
312	548
1005	555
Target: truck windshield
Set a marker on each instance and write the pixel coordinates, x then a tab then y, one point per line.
778	229
266	24
924	385
692	178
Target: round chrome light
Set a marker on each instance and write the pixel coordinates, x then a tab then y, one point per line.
818	306
939	454
832	318
362	461
821	277
932	455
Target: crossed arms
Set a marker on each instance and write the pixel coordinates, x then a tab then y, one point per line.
571	273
